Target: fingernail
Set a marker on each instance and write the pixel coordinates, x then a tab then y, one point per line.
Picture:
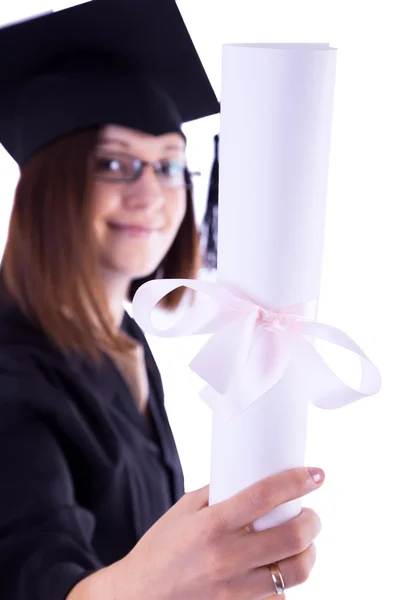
317	475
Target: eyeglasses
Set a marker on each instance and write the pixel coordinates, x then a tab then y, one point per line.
124	168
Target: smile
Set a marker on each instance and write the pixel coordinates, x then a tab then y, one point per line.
133	230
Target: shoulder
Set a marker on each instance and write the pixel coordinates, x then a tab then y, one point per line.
22	342
34	374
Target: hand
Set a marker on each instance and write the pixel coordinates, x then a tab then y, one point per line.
201	552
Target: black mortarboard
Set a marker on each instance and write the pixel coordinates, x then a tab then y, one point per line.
125	62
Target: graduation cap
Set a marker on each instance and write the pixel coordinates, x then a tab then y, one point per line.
124	62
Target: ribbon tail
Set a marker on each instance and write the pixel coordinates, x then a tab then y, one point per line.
326	388
225	353
266	364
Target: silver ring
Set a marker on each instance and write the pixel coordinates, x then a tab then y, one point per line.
277	578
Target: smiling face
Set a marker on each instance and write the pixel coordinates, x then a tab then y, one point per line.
137	221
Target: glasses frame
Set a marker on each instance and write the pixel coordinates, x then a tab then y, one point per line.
188	175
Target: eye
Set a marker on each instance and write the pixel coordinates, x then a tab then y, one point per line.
113	167
170	168
107	164
114	164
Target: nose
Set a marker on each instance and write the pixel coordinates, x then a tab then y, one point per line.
145	192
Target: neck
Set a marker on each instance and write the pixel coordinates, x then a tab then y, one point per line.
116	288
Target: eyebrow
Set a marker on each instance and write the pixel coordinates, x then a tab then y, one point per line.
114	141
126	145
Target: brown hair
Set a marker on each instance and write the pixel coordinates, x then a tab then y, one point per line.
49	265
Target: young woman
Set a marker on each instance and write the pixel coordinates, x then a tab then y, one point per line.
92	500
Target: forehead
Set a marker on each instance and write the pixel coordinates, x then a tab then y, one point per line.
133	139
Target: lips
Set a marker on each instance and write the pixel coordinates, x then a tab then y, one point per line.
134	229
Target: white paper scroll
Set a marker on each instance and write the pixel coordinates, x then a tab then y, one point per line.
276	122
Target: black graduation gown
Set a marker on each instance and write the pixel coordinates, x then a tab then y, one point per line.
83	474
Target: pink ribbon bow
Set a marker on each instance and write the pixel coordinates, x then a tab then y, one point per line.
251	346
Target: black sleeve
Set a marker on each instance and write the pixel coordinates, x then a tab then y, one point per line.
45	537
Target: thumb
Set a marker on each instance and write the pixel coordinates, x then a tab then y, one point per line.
195	501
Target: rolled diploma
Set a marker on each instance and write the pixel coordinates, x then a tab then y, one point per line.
276	121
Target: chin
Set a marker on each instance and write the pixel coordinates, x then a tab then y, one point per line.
141	271
129	267
141	274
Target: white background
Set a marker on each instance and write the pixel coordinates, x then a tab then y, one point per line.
359	549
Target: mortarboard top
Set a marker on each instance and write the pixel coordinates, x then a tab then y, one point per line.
125	62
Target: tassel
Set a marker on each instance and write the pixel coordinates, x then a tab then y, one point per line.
209	227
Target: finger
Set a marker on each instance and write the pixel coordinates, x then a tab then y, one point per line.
279	543
266	494
295	571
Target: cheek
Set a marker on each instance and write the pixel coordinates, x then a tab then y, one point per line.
104	201
175	209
